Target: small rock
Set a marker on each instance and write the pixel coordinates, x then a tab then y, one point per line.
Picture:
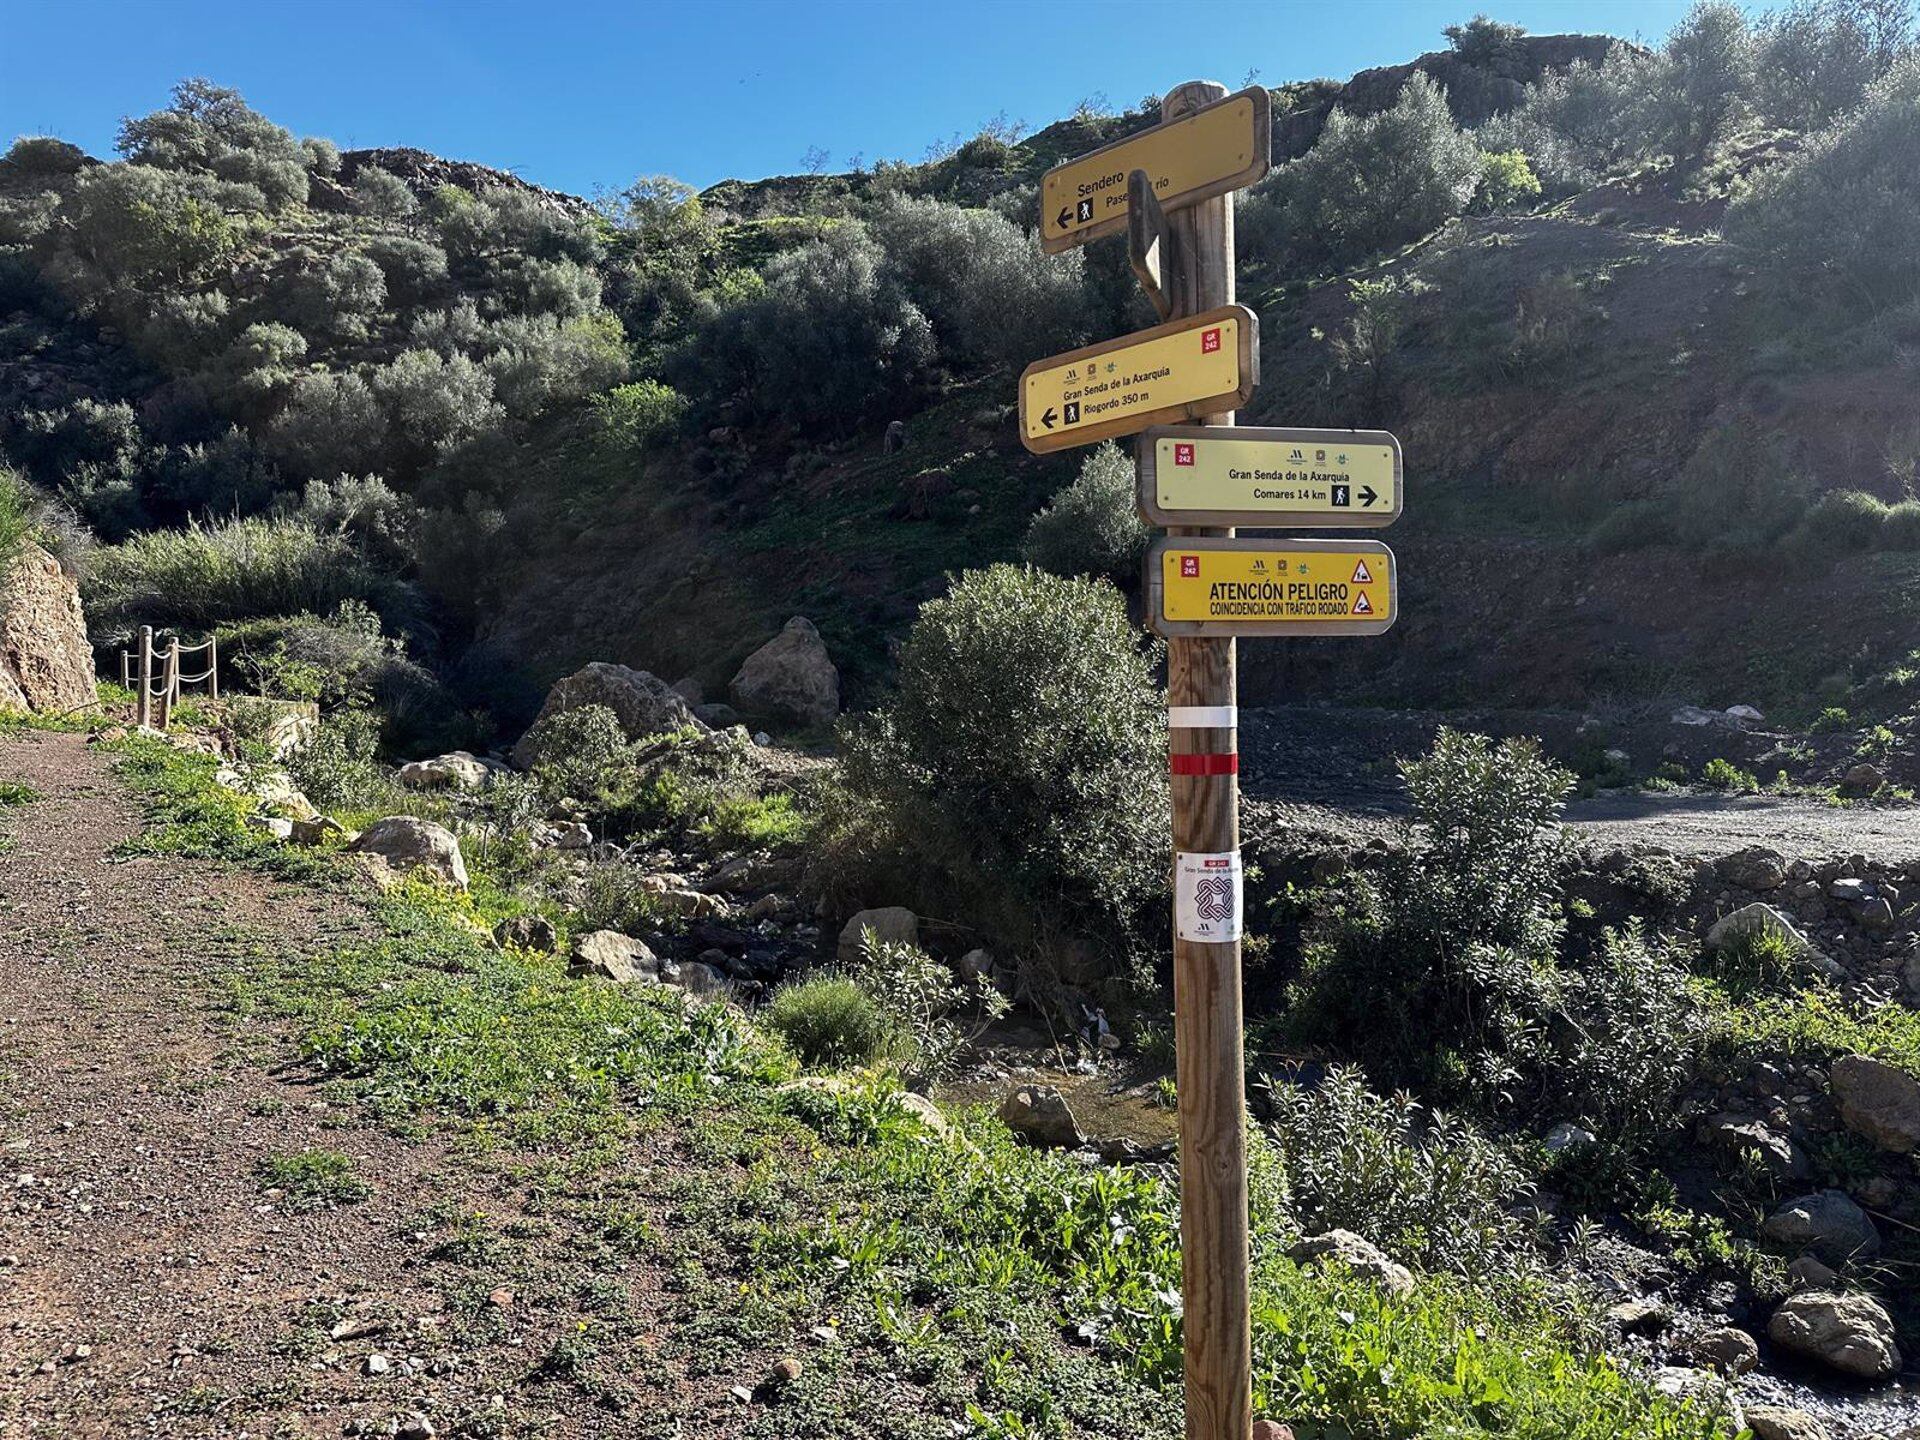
696	978
317	831
1755	868
278	828
1774	1422
1568	1136
1877	1101
1728	1350
571	835
1809	1272
1849	1333
786	1370
1271	1430
1736	1135
1643	1316
1827	1223
500	1299
1862	780
893	924
976	964
1358	1254
378	1364
455	771
1762	917
1875	915
612	956
406	842
526	932
1745	712
924	1110
790	678
415	1426
1040	1115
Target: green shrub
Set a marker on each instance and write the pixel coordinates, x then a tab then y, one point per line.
43	155
137	226
1719	774
314	1179
207	574
989	293
1507	181
1430	1190
1815	60
1846	522
1020	769
641	415
830	343
1760	960
1638	1038
384	195
580	754
18	515
932	1016
339	767
1369	184
1442	968
211	130
1093	526
1900	530
830	1022
1704	74
1484	41
1577	124
1835	220
1834	717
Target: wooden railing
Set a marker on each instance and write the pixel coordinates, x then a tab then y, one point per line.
153	703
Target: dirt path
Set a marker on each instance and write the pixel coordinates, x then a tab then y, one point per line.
148	1275
1333	769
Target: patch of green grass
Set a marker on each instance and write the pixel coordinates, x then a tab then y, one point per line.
955	1263
15	792
1721	774
757	822
315	1179
189	814
1820	1024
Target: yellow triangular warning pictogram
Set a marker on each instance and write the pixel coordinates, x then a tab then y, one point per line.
1362	575
1362	605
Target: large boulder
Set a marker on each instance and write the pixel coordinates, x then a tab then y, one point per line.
789	678
407	843
1827	1223
1757	867
46	662
1877	1101
643	703
456	770
1779	1422
1358	1254
893	924
1849	1333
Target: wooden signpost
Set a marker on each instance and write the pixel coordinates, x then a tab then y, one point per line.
1170	188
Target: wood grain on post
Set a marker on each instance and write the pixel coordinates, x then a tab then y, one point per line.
1206	977
213	667
143	702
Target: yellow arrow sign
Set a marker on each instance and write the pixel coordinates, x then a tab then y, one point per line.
1182	370
1252	475
1216	586
1225	146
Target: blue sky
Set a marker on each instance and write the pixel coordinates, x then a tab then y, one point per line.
572	95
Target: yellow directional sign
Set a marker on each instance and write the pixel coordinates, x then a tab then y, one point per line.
1182	370
1216	586
1224	146
1248	475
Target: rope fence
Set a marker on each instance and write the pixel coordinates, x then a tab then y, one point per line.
154	696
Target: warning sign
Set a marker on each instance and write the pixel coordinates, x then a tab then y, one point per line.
1207	897
1268	475
1214	586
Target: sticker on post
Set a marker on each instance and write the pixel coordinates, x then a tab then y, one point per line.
1206	897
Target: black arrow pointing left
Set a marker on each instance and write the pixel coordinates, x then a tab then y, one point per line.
1047	419
1064	219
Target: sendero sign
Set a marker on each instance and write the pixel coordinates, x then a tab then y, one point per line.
1182	370
1329	479
1219	586
1225	146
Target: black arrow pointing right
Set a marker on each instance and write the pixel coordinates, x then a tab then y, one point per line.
1047	419
1368	495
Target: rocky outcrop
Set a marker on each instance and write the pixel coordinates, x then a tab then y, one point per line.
1476	92
1358	1254
1777	1422
790	678
46	663
643	703
1849	1333
408	843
